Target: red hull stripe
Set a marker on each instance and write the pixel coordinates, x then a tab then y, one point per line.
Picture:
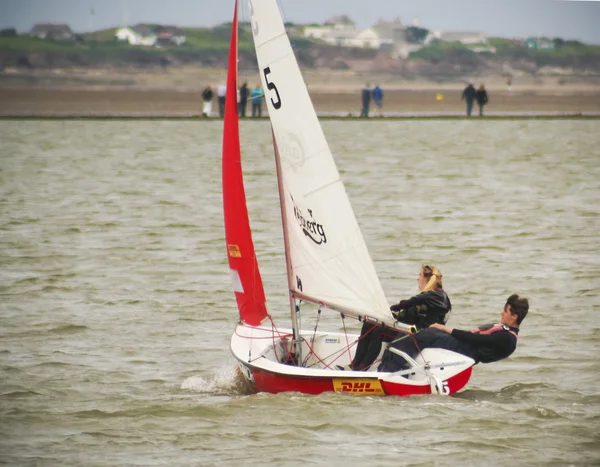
266	381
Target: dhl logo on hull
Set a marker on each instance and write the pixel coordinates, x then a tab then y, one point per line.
361	387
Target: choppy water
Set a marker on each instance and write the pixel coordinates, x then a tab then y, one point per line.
116	308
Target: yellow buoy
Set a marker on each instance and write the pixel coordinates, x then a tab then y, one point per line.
439	97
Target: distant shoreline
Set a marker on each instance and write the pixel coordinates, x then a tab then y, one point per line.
413	116
35	102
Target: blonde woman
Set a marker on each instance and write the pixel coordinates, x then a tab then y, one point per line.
431	305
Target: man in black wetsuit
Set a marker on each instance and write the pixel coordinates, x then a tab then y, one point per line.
484	344
468	95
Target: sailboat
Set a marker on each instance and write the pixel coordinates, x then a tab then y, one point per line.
329	268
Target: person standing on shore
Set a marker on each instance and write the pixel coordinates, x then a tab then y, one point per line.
366	101
221	92
481	96
256	97
243	99
468	95
378	99
207	97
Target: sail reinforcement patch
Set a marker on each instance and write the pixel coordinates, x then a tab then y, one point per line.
236	282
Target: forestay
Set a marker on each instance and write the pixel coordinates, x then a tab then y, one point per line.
329	261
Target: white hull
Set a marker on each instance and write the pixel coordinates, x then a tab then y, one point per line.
262	352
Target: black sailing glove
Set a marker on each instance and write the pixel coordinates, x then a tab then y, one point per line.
398	310
399	315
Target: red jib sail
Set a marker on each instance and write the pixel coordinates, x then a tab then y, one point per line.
245	275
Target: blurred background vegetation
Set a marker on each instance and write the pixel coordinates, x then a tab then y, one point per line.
208	47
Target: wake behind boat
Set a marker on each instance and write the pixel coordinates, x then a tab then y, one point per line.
328	264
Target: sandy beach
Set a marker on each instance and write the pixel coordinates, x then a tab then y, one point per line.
178	93
47	102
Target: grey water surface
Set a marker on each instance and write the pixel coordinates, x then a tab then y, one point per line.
116	306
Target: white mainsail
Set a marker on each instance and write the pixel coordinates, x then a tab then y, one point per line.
329	260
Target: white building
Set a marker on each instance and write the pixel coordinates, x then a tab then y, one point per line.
52	31
140	34
170	35
368	39
475	41
341	31
465	38
316	32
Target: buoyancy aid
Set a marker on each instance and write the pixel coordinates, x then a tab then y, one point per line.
487	329
426	308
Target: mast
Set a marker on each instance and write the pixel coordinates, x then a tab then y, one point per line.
296	341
